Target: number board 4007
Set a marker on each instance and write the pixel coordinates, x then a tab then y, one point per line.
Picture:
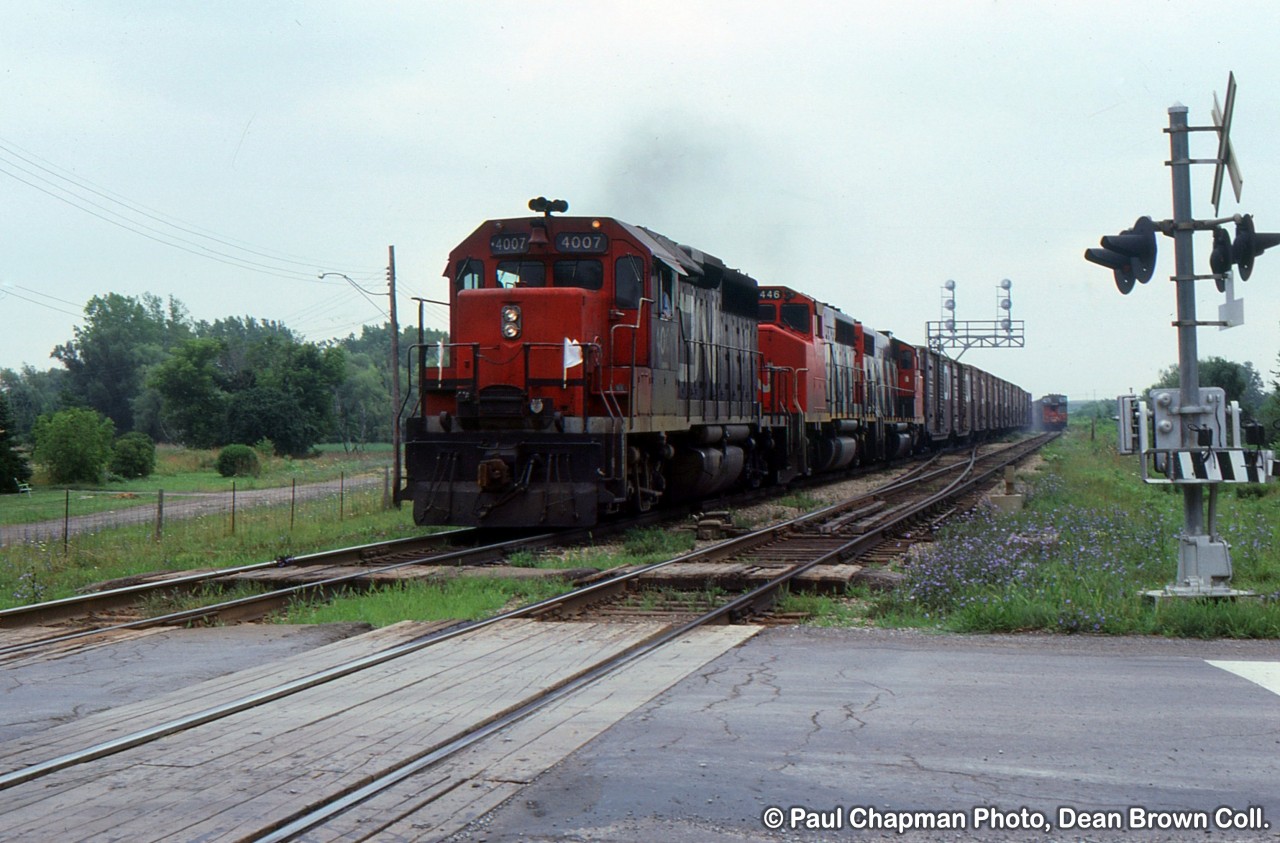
509	243
583	242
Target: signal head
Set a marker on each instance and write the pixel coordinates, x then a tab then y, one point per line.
1220	258
1130	255
1249	244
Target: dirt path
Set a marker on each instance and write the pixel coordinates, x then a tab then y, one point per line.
185	505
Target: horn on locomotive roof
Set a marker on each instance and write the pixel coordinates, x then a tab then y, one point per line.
548	206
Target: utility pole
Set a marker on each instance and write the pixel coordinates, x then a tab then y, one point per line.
395	376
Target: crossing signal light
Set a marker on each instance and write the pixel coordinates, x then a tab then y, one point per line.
1220	258
1130	255
1249	244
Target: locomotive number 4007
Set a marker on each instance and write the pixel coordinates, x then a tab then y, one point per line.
589	241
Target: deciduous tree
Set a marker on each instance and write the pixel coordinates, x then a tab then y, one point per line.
74	445
13	466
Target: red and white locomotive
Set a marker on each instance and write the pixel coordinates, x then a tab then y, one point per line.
597	366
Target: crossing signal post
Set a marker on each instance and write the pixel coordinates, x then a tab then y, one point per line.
1189	425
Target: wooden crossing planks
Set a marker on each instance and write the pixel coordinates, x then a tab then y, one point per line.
229	777
135	716
443	799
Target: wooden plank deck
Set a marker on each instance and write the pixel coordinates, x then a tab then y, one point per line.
443	800
238	775
124	719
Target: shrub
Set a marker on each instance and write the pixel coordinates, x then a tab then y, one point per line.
74	444
134	455
238	461
13	466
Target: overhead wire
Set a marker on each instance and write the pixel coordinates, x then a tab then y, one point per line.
9	290
10	151
124	213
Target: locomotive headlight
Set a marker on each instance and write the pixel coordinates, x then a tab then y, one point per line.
510	321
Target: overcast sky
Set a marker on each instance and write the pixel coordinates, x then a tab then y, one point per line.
227	153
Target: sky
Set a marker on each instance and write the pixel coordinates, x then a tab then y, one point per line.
228	154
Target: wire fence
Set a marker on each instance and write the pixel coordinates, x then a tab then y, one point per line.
87	512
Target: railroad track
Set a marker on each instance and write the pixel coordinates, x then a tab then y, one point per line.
89	610
832	534
111	610
865	530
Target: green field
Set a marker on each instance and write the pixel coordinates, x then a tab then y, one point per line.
1078	559
183	470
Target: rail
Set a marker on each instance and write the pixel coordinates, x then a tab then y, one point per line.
734	608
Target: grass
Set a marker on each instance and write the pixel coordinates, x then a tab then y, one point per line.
180	470
207	594
1078	559
464	598
48	570
639	547
800	501
827	610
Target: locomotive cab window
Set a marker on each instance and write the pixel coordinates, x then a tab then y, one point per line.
665	281
797	318
469	275
767	314
521	274
628	281
587	274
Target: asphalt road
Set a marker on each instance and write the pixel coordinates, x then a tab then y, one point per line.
852	735
849	734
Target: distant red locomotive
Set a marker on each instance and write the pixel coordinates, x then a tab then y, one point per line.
597	366
1052	412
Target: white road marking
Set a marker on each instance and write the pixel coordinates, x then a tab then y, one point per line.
1266	674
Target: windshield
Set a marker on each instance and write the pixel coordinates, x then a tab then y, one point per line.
796	317
588	274
522	274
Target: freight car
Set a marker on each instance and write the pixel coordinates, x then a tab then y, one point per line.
597	366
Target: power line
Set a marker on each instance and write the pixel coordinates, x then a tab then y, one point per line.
9	290
122	220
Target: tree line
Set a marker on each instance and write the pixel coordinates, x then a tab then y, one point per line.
142	368
141	365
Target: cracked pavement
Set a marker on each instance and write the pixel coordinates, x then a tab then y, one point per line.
905	721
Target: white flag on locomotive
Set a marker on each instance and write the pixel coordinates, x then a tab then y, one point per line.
572	357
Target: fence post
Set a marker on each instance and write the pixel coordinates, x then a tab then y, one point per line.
342	495
293	502
233	507
66	522
159	514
